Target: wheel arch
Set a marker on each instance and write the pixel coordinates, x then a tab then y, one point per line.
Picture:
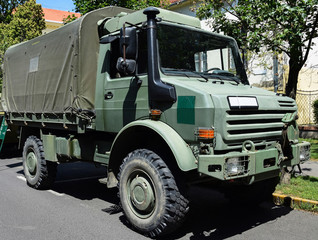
26	132
156	136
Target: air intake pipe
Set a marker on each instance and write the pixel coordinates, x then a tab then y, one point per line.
159	92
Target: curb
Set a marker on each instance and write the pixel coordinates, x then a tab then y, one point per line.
281	199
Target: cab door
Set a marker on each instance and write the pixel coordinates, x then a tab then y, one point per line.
125	97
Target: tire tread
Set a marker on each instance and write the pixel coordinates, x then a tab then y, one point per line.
47	169
177	205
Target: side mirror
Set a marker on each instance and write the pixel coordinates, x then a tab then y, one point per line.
127	66
128	42
128	50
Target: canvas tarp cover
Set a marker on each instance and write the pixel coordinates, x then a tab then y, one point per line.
56	71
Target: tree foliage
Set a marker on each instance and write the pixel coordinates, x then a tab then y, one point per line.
69	18
315	109
85	6
26	23
287	26
6	8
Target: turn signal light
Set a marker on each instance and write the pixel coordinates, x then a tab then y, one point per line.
205	133
155	114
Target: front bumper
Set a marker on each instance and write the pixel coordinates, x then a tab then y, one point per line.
260	164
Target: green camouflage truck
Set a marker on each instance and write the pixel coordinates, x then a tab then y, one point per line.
157	100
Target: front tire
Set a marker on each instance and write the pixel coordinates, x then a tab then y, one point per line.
39	173
149	194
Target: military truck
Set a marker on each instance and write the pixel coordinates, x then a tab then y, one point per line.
157	100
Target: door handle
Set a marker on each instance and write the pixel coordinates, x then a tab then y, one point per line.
109	95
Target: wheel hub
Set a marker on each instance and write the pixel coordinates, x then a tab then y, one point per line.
141	194
31	162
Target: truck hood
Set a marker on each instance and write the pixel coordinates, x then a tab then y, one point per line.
260	122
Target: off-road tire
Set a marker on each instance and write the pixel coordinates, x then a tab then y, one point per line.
39	173
149	195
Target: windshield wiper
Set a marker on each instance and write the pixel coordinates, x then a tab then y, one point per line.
180	71
188	73
201	75
184	71
223	77
236	79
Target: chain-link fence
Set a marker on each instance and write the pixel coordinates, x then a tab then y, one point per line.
304	101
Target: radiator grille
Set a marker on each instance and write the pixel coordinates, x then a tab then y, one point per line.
260	126
287	103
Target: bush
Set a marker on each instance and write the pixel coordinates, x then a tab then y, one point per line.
315	107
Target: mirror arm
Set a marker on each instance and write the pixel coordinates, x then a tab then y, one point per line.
124	45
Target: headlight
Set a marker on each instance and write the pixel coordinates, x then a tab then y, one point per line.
236	166
304	153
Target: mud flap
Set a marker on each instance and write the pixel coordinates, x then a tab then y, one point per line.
3	130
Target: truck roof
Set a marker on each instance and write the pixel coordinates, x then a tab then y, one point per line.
139	17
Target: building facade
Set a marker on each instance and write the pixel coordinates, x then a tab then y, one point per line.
54	18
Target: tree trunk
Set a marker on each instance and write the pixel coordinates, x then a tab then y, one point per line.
285	176
291	86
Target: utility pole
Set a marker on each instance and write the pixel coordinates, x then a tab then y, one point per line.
275	72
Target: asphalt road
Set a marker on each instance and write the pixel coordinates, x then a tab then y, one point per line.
310	168
79	207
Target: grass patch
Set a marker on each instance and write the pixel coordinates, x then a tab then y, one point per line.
307	207
303	187
313	148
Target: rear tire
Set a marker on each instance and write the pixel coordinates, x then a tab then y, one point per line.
149	194
39	173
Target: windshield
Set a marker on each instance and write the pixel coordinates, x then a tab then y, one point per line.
196	53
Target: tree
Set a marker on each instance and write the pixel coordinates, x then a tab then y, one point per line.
27	22
6	8
85	6
69	18
287	26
